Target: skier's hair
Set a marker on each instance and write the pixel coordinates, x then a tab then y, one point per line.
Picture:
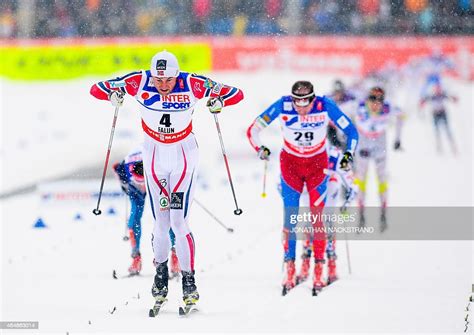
378	92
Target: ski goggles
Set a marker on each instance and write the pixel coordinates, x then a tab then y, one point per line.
303	100
375	98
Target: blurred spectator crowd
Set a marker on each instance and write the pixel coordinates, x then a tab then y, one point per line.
87	18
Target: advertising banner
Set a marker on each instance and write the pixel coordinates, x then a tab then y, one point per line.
68	59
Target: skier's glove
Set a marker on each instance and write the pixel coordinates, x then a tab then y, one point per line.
397	145
351	193
116	98
138	168
264	153
346	161
215	104
364	153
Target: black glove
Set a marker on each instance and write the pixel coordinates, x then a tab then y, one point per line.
215	105
264	153
346	161
138	168
397	145
364	153
116	98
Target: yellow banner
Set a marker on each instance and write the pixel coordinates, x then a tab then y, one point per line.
53	62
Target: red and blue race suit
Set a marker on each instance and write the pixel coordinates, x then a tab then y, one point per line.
303	159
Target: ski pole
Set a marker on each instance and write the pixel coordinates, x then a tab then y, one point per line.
264	194
342	210
237	210
348	254
230	230
96	210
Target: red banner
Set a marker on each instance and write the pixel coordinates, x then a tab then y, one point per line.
338	55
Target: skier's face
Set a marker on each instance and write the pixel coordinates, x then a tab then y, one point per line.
338	95
305	105
164	85
374	104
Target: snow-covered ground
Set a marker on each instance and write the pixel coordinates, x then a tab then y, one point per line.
61	276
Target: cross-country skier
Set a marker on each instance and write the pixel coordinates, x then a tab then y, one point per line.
304	118
436	100
337	178
372	117
423	73
130	174
166	99
432	68
340	95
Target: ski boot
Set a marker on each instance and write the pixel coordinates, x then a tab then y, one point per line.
318	272
159	290
332	275
190	293
304	272
175	271
383	221
136	266
289	282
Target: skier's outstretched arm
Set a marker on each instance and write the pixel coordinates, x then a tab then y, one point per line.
343	122
261	122
128	84
220	95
